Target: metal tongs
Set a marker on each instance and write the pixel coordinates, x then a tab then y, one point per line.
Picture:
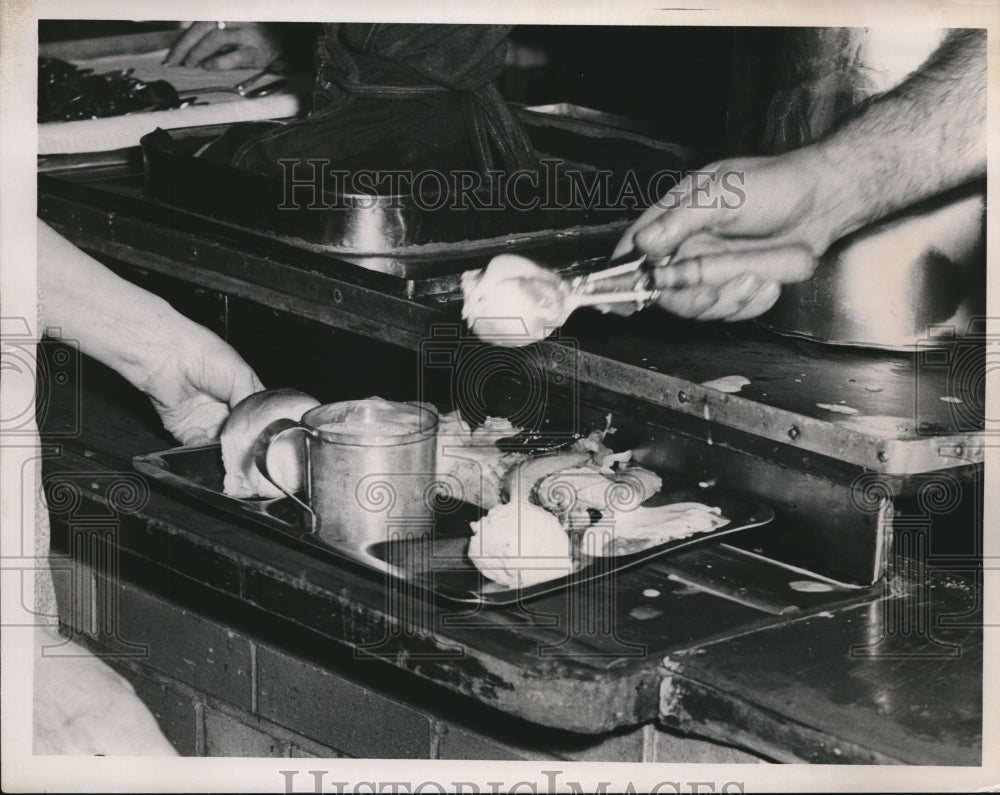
632	282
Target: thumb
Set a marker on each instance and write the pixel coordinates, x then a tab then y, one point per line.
221	373
245	384
683	211
651	216
665	234
625	246
196	421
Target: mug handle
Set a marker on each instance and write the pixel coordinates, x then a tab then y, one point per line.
262	447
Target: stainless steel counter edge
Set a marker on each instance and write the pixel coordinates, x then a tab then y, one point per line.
406	322
864	447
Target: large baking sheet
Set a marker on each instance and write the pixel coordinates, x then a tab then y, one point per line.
382	230
437	564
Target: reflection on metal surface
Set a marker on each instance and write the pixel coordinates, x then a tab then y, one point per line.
889	285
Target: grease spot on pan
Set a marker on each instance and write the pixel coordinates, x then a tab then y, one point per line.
835	407
728	383
810	586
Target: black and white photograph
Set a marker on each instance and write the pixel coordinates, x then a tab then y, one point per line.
496	399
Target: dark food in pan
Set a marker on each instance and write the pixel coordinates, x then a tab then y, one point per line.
69	93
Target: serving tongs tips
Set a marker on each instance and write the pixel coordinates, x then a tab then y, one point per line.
618	285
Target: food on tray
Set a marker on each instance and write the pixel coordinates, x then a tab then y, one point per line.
627	532
247	420
520	481
493	430
355	427
547	514
582	502
519	544
576	493
513	301
470	466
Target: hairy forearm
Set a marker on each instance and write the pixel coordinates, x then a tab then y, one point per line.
923	137
110	318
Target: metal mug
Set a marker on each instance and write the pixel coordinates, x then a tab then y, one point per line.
369	469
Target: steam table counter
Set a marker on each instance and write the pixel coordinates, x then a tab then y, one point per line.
234	635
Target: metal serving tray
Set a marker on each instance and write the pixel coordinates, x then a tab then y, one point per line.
438	564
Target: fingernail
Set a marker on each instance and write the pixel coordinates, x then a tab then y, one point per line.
768	291
747	282
647	238
772	289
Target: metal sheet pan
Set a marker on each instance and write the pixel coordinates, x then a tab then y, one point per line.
437	565
577	192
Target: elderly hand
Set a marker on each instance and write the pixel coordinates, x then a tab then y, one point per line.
737	230
196	379
191	375
225	45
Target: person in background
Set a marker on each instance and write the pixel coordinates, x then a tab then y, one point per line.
761	222
192	377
